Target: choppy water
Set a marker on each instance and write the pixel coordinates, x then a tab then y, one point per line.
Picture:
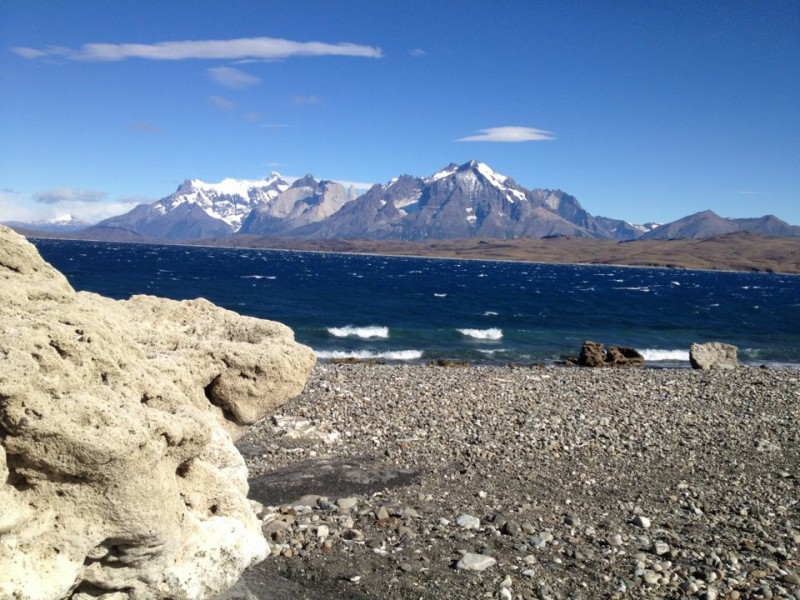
415	309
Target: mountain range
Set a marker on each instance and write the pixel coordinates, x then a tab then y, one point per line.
460	201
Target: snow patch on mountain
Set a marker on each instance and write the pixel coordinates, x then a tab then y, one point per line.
230	200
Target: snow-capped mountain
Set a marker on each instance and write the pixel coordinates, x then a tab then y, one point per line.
66	223
459	201
230	201
198	209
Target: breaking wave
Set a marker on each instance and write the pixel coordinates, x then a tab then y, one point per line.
655	355
482	334
369	332
368	355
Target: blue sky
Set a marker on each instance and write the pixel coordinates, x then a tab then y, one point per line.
645	111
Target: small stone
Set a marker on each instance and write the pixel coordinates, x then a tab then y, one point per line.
650	577
468	522
475	562
615	540
660	548
791	578
641	521
347	503
511	528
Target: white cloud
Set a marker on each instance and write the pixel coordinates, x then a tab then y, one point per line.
509	134
221	102
264	48
81	204
59	195
232	78
417	53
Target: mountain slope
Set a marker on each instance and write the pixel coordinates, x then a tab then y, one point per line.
460	201
306	201
198	209
707	224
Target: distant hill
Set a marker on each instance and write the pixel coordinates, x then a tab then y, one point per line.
707	224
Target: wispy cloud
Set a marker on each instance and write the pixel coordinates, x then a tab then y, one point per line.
417	52
264	48
510	134
221	102
233	78
145	127
59	195
253	117
306	100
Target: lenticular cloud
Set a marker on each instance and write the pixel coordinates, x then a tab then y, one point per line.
509	134
245	48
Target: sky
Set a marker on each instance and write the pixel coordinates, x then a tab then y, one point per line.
643	110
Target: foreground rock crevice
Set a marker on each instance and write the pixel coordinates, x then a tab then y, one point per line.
118	476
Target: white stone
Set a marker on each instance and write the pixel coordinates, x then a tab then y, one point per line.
475	562
468	522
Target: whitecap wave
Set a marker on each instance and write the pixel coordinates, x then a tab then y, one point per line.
368	355
440	295
368	332
482	334
656	355
490	313
258	277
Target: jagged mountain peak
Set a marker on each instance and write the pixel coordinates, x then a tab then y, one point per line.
306	181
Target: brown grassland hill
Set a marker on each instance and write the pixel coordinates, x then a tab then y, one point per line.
731	252
740	251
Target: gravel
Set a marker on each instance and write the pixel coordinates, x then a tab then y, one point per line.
522	483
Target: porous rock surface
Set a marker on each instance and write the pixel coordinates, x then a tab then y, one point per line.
118	474
713	355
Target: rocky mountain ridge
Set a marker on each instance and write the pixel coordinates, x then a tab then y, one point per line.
459	201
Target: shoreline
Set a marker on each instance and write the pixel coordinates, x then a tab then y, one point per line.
560	483
764	254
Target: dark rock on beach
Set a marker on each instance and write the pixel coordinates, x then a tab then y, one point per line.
595	354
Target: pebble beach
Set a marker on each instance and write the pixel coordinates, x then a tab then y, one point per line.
399	481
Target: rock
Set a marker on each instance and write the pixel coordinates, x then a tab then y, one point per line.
641	521
594	354
713	355
347	503
468	522
623	356
117	467
475	562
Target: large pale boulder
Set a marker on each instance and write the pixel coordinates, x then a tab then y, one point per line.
118	474
713	355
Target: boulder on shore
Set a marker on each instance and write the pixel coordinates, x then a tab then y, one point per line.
118	474
713	355
595	354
